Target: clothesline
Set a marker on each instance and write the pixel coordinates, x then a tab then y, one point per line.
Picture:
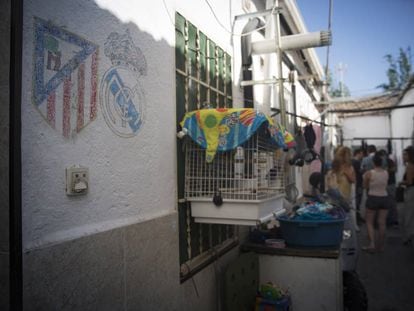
298	116
292	114
370	109
379	138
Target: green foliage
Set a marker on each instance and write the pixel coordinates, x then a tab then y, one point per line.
337	89
399	70
341	91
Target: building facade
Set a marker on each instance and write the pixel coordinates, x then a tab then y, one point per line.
104	85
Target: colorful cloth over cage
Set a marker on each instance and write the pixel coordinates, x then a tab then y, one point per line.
224	129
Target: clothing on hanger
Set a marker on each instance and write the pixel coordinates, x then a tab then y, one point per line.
310	135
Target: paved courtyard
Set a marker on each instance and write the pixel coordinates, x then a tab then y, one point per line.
389	276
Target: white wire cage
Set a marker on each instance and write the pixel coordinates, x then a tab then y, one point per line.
241	186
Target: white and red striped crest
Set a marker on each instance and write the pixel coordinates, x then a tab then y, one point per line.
65	78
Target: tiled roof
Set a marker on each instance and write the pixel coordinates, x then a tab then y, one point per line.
355	106
369	105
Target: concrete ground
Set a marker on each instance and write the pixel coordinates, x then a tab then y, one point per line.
388	277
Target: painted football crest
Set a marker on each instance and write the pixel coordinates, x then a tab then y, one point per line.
122	98
65	77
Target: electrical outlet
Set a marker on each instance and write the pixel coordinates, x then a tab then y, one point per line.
77	180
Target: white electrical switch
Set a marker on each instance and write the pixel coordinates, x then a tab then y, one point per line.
77	180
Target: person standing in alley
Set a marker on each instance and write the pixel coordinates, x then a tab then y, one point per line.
406	210
356	163
345	173
331	181
366	163
377	204
392	218
345	176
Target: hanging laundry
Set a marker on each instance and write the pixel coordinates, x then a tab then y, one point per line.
297	159
317	165
310	135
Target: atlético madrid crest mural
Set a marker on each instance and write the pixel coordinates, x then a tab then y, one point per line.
65	81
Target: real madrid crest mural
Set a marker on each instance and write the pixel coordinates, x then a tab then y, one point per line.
65	81
122	97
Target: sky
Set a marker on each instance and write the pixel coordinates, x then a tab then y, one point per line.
363	32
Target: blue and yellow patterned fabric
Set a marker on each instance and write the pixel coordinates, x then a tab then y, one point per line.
224	129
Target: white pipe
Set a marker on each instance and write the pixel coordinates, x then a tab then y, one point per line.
269	34
293	42
256	82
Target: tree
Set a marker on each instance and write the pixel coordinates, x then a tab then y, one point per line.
341	91
399	70
336	89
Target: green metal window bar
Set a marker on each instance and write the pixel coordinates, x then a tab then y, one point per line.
203	79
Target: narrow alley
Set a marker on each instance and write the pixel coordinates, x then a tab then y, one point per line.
388	277
201	155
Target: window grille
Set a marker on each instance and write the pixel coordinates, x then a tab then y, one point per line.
203	76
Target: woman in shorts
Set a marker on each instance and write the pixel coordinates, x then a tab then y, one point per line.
377	204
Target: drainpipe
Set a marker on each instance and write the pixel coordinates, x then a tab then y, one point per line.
280	69
293	76
15	166
246	54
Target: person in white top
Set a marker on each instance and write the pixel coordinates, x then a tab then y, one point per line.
375	181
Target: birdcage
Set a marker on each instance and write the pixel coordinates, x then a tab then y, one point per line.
234	165
242	186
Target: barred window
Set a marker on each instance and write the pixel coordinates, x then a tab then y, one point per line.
203	79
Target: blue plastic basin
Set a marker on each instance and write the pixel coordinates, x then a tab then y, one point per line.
311	233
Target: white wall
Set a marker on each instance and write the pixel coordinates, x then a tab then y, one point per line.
131	179
402	121
366	126
399	124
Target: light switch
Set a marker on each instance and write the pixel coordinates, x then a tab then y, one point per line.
77	180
